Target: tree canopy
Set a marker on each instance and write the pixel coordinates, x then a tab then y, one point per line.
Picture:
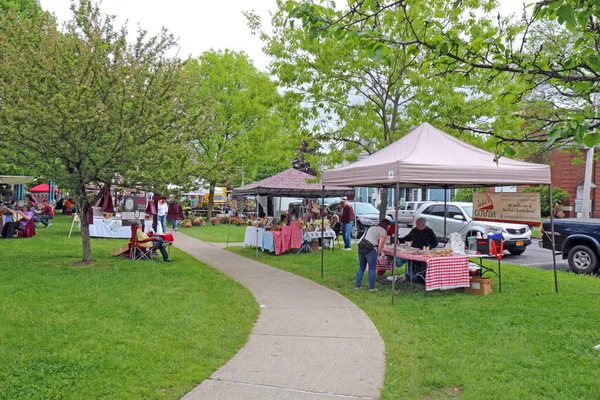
556	79
83	102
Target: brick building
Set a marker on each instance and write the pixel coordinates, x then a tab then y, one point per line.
568	171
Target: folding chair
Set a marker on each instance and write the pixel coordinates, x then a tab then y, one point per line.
27	231
137	252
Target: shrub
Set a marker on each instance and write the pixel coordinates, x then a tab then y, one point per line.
558	194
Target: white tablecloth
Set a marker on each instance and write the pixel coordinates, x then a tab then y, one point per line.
113	228
250	236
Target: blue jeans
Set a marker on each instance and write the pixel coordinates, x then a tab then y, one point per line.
159	244
347	233
162	220
369	258
175	223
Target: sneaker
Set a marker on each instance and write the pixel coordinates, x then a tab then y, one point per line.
175	229
348	249
373	290
49	225
169	260
357	288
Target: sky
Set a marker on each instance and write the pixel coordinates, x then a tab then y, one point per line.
200	25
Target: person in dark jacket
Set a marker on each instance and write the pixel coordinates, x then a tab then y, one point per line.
420	236
175	214
347	220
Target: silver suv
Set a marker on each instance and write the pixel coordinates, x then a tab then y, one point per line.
516	236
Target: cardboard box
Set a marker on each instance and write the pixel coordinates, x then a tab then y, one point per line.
479	285
314	245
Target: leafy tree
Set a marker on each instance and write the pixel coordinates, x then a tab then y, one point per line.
87	103
466	194
359	98
232	121
26	7
461	37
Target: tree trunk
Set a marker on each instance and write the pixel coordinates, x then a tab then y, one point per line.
383	205
84	206
211	199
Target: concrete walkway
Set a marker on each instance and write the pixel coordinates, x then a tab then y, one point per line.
308	343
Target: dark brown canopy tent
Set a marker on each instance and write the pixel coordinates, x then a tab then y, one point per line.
291	183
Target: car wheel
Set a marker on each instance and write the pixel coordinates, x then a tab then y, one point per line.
516	252
582	260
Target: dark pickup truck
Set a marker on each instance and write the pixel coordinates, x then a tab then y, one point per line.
577	239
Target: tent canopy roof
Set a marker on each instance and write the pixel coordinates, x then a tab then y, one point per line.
290	183
42	188
431	158
15	180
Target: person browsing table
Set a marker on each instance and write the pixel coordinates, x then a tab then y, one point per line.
370	246
347	220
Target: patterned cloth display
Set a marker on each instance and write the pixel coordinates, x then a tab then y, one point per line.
442	272
329	233
113	225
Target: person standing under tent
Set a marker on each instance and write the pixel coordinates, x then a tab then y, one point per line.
370	247
347	220
161	214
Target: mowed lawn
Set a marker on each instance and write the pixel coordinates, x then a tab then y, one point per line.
217	233
524	343
115	330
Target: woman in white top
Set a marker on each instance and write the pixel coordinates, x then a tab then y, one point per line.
161	213
369	248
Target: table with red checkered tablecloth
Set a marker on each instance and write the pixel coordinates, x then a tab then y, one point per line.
442	272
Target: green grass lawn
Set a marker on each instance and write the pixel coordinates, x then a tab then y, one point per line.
115	330
525	343
217	233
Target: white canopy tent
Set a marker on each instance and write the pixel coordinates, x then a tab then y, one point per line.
428	157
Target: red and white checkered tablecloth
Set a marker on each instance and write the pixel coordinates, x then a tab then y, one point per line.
442	272
447	273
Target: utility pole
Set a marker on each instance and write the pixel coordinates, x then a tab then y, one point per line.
587	180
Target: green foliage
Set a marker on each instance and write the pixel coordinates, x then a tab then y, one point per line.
466	194
24	7
117	330
441	345
558	194
85	104
545	63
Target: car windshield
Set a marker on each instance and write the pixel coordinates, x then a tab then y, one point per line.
365	208
468	210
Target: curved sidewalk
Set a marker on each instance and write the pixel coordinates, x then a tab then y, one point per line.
308	343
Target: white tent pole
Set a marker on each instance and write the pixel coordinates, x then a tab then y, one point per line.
257	226
322	229
396	230
552	230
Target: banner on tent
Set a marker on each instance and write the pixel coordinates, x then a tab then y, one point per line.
521	208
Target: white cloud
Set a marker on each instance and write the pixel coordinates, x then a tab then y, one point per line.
200	25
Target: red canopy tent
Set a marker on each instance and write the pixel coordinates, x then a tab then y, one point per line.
42	188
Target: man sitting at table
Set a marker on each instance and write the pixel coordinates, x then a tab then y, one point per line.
420	236
156	241
47	213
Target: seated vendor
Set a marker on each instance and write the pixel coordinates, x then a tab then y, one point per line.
420	236
156	241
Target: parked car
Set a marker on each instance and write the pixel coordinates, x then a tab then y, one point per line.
578	241
516	236
366	216
406	211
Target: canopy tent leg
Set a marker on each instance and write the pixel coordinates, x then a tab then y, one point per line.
322	228
553	243
445	212
396	230
256	220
